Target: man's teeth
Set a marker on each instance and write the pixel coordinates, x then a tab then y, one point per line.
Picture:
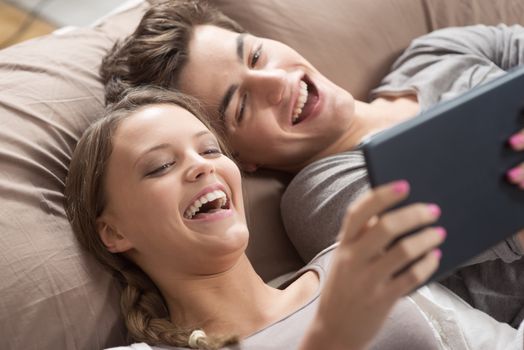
208	197
302	98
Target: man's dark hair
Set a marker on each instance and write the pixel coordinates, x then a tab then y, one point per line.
158	49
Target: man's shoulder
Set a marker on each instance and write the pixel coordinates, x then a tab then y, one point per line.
340	164
338	175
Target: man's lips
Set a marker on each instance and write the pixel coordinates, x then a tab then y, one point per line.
308	108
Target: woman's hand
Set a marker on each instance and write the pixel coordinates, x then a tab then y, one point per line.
369	271
516	174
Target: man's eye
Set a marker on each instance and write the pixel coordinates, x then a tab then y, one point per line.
160	169
240	115
256	56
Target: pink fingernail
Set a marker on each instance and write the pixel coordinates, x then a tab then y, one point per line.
514	174
441	231
438	253
434	210
516	140
401	186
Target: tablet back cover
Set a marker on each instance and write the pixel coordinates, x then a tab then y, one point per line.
456	155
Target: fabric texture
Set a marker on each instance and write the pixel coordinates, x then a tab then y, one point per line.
438	66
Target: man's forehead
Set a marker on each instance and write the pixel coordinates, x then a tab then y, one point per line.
212	60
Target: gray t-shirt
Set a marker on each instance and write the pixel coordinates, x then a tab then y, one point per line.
436	67
409	332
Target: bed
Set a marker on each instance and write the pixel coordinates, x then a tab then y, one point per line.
55	296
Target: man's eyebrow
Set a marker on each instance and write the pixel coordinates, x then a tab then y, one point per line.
240	47
231	90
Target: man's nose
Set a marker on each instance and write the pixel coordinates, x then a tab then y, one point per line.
268	84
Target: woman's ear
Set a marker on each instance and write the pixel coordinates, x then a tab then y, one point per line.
114	241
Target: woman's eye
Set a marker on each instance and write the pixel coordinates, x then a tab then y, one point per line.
256	56
160	169
212	151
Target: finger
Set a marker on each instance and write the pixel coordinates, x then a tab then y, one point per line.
517	141
520	238
372	203
391	226
408	250
516	175
416	274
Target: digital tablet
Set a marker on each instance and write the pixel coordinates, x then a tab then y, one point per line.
456	155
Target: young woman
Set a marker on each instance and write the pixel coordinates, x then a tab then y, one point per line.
279	112
152	195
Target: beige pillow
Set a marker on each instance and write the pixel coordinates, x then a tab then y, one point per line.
53	295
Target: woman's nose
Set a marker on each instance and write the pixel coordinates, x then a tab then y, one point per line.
198	167
267	84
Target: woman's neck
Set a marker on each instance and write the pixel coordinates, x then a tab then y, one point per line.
236	302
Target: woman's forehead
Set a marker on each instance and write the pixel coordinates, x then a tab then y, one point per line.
156	122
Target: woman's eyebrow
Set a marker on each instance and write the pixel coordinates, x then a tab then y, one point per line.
149	150
167	145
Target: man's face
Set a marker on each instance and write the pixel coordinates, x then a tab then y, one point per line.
278	111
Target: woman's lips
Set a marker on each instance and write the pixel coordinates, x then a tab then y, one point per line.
215	214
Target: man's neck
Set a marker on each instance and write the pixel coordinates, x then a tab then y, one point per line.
371	118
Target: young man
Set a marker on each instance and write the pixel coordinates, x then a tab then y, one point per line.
277	111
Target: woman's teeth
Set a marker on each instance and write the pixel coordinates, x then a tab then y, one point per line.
302	98
194	208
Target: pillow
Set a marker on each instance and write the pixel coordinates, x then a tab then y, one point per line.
54	296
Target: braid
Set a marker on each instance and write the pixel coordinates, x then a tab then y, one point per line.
147	317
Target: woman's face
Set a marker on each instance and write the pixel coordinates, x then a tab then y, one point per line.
172	198
278	110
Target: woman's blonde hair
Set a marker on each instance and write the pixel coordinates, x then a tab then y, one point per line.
143	307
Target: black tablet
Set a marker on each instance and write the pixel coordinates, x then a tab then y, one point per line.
456	155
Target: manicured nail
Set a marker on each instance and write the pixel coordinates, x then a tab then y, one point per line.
401	186
434	210
516	140
514	174
441	231
438	253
